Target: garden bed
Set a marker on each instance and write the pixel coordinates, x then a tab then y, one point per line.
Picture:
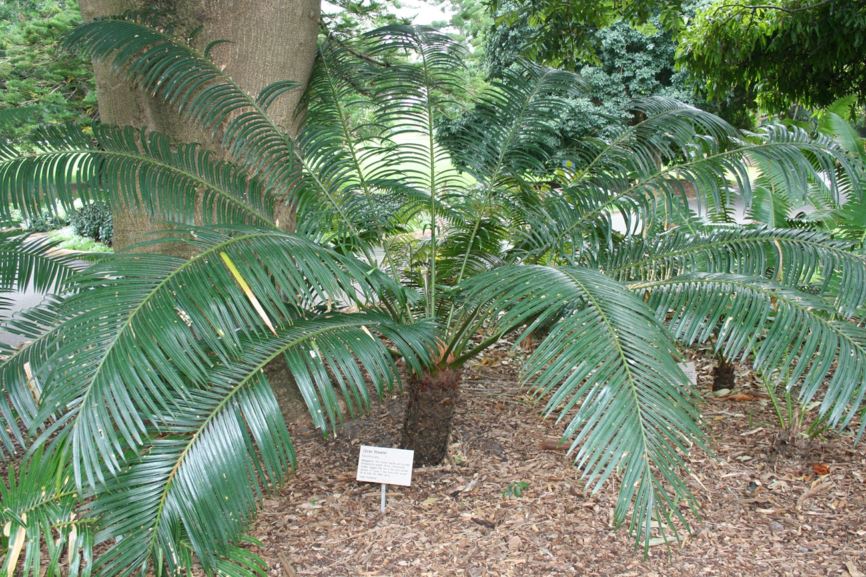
509	502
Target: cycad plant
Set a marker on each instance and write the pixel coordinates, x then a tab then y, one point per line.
148	427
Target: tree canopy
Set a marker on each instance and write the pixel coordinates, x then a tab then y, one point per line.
561	33
779	52
33	78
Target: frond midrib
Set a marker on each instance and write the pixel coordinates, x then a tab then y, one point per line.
169	481
701	247
127	323
44	502
428	109
225	194
621	353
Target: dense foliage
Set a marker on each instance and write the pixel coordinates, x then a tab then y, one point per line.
561	33
93	221
148	426
44	221
630	63
33	75
779	52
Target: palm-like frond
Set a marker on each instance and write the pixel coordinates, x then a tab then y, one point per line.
474	244
676	152
353	359
193	84
770	205
221	446
833	124
511	142
126	336
513	134
849	219
149	370
609	368
790	336
43	535
175	182
198	481
28	263
794	258
20	387
190	82
410	97
334	147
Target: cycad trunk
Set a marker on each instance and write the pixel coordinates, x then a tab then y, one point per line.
724	376
429	414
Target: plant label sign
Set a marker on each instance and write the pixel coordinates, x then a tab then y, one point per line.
385	465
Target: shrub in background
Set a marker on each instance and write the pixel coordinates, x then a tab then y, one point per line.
93	221
46	221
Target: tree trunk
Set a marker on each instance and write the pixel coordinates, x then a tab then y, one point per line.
268	41
432	400
723	375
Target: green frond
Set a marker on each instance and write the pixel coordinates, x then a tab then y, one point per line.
198	481
271	92
175	182
410	96
240	562
677	152
609	369
124	337
796	161
190	82
346	158
222	446
770	205
43	534
353	359
794	258
850	219
513	133
28	263
20	384
512	140
193	84
474	246
665	129
790	337
145	380
835	126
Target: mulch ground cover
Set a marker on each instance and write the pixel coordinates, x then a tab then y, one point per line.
509	502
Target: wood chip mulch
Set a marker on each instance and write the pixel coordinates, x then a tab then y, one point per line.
510	503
